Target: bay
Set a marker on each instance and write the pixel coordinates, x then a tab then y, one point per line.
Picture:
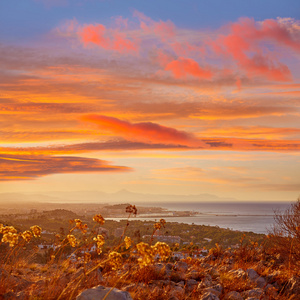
257	217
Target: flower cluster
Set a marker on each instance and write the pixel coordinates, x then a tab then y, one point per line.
127	241
99	219
162	249
27	235
100	242
115	260
87	257
80	225
131	209
36	230
159	225
148	252
10	235
72	240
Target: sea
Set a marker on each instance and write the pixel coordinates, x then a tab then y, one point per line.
257	217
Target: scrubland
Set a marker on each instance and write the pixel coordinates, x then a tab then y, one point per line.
80	259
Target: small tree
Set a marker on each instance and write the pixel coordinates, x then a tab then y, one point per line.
285	234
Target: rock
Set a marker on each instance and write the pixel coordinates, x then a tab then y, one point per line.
194	275
177	292
205	265
214	272
254	277
161	283
205	282
177	276
211	290
255	293
191	284
271	291
233	296
252	274
260	282
99	292
209	296
181	266
239	273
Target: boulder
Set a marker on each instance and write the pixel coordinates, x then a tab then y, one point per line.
181	266
239	273
209	296
233	296
252	274
177	292
254	293
99	292
260	282
191	284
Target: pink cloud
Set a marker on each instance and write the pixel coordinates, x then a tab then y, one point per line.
164	30
144	132
184	67
108	39
245	44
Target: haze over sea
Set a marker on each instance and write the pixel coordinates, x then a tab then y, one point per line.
257	217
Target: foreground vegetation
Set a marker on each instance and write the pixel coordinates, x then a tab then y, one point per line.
268	268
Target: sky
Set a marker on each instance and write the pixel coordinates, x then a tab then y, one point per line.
155	97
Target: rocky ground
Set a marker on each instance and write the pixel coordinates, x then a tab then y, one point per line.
209	278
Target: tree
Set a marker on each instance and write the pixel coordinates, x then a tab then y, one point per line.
285	234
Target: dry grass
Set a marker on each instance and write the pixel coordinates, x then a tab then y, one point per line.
133	269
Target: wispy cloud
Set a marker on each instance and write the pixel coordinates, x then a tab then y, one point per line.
25	167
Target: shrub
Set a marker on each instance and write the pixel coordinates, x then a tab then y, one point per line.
285	235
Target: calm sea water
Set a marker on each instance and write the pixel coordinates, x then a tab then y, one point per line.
245	216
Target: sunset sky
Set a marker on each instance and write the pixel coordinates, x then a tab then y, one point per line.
156	97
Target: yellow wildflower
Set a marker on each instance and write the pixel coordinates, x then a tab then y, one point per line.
27	235
157	226
100	242
11	238
127	241
87	257
80	225
72	240
162	249
147	254
36	230
115	260
8	229
99	219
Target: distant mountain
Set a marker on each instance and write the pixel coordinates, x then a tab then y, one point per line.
122	196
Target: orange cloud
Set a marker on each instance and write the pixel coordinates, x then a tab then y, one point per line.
253	132
145	132
108	39
25	167
184	67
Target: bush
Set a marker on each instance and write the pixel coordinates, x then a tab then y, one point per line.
285	234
